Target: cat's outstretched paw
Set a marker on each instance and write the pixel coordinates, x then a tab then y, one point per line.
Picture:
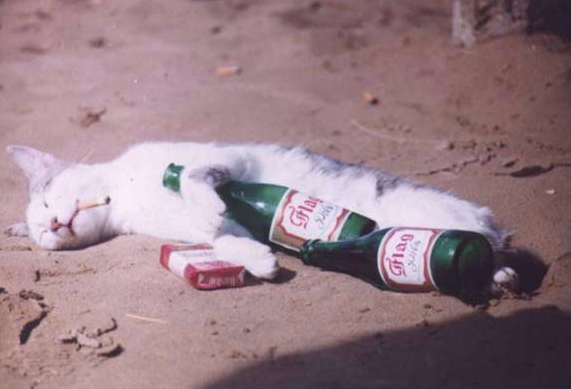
204	206
505	280
256	257
18	229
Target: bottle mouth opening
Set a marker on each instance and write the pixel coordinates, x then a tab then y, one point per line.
171	177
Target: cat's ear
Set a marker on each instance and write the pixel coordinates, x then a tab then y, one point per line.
36	165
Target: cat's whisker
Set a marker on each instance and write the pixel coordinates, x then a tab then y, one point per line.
82	205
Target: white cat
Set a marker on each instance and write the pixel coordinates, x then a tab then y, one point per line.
141	205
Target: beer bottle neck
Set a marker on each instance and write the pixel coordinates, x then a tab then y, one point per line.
171	177
340	254
315	251
356	257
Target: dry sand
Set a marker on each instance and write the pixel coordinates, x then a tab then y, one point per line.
88	77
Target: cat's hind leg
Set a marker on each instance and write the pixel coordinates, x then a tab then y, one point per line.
504	280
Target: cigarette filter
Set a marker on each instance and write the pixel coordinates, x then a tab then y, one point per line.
82	205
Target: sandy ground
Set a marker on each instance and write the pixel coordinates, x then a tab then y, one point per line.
88	77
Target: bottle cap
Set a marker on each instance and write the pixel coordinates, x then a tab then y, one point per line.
465	263
171	177
475	264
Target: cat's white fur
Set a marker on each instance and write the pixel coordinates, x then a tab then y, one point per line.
141	205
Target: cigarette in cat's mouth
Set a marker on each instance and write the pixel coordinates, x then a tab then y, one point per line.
82	205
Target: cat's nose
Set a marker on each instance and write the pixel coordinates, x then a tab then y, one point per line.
55	224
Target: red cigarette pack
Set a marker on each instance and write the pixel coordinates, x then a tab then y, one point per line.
198	265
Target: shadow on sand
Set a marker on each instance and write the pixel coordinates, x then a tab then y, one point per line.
528	349
551	16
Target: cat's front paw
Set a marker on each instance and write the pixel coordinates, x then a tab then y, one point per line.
256	257
202	196
18	229
213	175
264	267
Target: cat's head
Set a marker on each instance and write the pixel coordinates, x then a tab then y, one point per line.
53	219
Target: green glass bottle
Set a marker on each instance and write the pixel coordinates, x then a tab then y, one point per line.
282	216
410	259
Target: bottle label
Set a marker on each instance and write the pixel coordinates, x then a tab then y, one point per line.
404	259
300	217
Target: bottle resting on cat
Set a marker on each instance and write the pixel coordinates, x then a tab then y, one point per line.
281	216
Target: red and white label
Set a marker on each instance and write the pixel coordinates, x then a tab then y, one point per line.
404	259
300	217
199	266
